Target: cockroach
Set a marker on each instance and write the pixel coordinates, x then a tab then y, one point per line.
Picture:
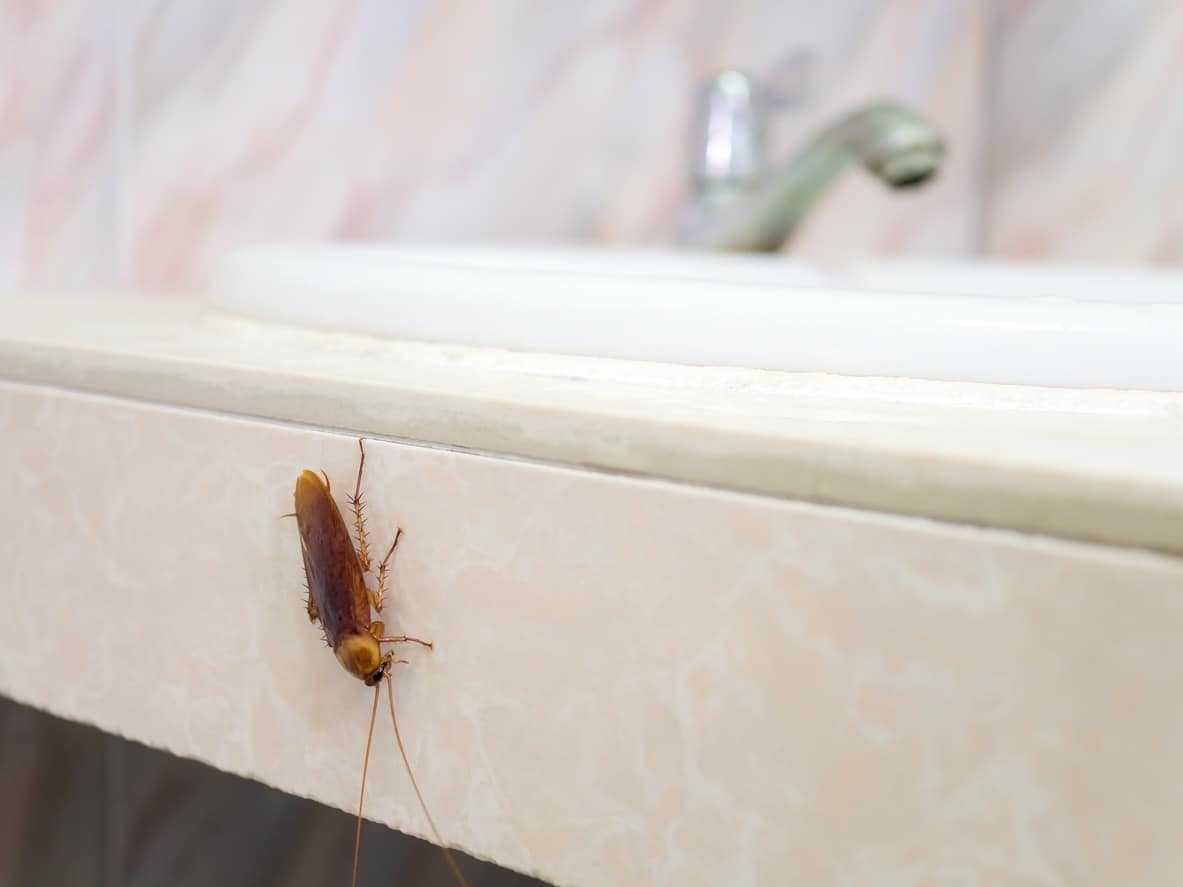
341	601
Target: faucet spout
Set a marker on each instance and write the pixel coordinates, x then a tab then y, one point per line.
890	141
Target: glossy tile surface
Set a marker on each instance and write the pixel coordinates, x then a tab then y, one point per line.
1087	132
59	125
141	141
225	123
634	682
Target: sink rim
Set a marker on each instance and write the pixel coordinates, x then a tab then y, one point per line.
759	312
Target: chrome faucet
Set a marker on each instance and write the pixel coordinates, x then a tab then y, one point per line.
740	203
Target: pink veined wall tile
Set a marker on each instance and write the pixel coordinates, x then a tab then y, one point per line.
1088	132
931	56
58	173
141	140
505	122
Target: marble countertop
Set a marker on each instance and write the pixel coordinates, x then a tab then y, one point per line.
1096	465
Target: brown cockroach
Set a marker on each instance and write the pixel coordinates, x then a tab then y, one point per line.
340	600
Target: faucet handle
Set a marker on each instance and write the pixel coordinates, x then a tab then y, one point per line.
729	138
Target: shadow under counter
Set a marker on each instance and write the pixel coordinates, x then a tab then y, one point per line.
81	807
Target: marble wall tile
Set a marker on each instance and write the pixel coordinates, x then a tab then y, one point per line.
142	138
932	56
59	150
633	682
1087	132
508	121
190	128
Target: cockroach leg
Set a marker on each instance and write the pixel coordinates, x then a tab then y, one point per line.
359	519
313	613
404	639
377	627
388	662
384	573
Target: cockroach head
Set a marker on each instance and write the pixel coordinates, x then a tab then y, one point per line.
360	655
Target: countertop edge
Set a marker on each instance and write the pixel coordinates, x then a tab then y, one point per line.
935	485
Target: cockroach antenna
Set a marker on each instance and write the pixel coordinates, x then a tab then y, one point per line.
361	800
398	737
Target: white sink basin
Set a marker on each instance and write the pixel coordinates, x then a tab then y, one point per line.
982	322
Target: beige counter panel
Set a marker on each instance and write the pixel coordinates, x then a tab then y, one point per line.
635	682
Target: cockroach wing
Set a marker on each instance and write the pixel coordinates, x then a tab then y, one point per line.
335	578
